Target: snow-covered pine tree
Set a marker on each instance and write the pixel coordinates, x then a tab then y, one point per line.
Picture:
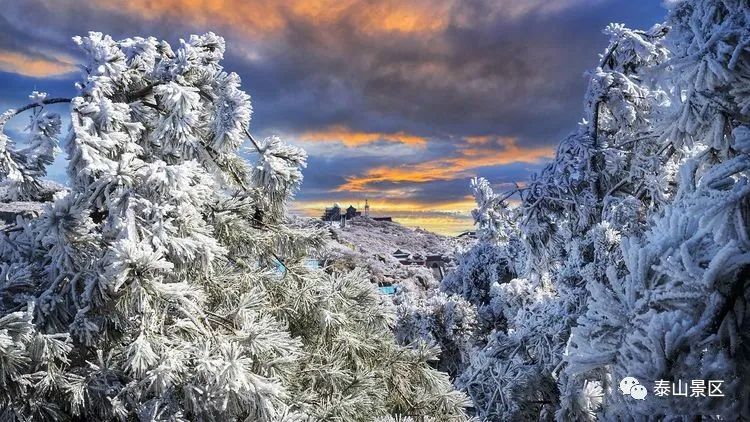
633	179
22	169
168	284
459	317
677	313
566	228
491	261
448	322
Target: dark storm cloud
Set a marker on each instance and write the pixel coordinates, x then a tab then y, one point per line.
518	76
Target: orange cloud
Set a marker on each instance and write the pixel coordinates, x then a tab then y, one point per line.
22	64
267	18
376	16
352	138
253	17
407	18
450	168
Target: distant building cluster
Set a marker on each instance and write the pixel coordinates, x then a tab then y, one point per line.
437	263
337	214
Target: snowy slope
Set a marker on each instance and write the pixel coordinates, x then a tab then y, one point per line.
364	242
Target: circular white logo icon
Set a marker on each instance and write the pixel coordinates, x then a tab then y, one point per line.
631	387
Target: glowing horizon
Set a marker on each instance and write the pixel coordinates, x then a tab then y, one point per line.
448	219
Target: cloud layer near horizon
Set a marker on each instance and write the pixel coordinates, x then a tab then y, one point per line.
398	101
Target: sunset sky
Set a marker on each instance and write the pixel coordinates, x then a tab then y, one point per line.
400	102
